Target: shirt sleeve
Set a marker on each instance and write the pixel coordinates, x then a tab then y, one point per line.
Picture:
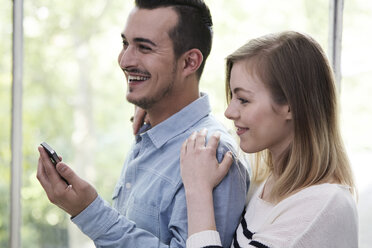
108	228
229	198
114	230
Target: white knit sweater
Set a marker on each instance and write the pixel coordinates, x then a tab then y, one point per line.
322	215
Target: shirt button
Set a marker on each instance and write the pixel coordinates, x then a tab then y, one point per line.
128	185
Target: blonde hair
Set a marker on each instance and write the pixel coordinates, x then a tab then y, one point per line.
296	71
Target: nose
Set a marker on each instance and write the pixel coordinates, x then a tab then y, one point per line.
231	112
127	58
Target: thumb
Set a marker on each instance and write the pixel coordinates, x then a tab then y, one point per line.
67	173
138	119
226	163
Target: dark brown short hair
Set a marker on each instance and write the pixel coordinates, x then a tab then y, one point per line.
194	27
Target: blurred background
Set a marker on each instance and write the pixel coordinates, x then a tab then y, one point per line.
74	95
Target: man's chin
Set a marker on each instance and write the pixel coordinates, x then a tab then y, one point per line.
140	102
132	98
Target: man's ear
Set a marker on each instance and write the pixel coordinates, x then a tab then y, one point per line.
192	60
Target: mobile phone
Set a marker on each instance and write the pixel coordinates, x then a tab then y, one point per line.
52	155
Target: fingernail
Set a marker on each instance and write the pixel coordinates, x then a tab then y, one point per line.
62	168
204	131
217	134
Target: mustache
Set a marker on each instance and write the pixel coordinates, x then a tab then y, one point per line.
136	70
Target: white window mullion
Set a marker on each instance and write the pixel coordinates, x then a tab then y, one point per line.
336	8
16	130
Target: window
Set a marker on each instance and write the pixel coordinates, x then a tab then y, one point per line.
74	95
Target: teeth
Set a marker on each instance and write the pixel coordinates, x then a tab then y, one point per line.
137	78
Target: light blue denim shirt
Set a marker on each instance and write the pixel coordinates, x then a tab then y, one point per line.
149	205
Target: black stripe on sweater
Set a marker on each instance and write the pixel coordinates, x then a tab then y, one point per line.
248	234
235	242
258	244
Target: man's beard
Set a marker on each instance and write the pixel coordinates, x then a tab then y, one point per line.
148	102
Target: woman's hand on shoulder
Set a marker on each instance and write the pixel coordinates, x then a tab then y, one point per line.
139	118
200	169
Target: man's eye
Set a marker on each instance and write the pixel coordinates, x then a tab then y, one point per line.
243	101
125	43
143	47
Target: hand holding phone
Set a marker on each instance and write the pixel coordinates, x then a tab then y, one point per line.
52	155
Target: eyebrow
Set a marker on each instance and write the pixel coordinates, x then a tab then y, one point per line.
139	39
236	90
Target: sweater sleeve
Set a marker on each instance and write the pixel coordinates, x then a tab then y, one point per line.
208	238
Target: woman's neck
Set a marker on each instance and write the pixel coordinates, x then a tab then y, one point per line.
267	188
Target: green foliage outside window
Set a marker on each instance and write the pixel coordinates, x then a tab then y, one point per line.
74	92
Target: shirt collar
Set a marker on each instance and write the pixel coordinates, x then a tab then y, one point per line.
180	121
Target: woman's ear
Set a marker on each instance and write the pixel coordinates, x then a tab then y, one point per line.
192	60
288	112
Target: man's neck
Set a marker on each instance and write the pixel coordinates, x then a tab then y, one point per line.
166	109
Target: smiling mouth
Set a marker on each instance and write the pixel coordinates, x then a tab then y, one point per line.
134	79
240	130
137	79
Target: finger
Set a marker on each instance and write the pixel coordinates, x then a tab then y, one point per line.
184	148
200	138
41	175
147	118
213	141
137	121
48	187
67	173
49	168
191	142
226	163
139	116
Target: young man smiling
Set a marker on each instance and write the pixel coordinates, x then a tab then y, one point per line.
165	45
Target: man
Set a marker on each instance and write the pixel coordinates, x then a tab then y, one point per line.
165	44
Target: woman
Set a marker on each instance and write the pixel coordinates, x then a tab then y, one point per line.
283	101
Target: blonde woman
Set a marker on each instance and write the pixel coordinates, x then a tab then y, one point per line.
283	101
